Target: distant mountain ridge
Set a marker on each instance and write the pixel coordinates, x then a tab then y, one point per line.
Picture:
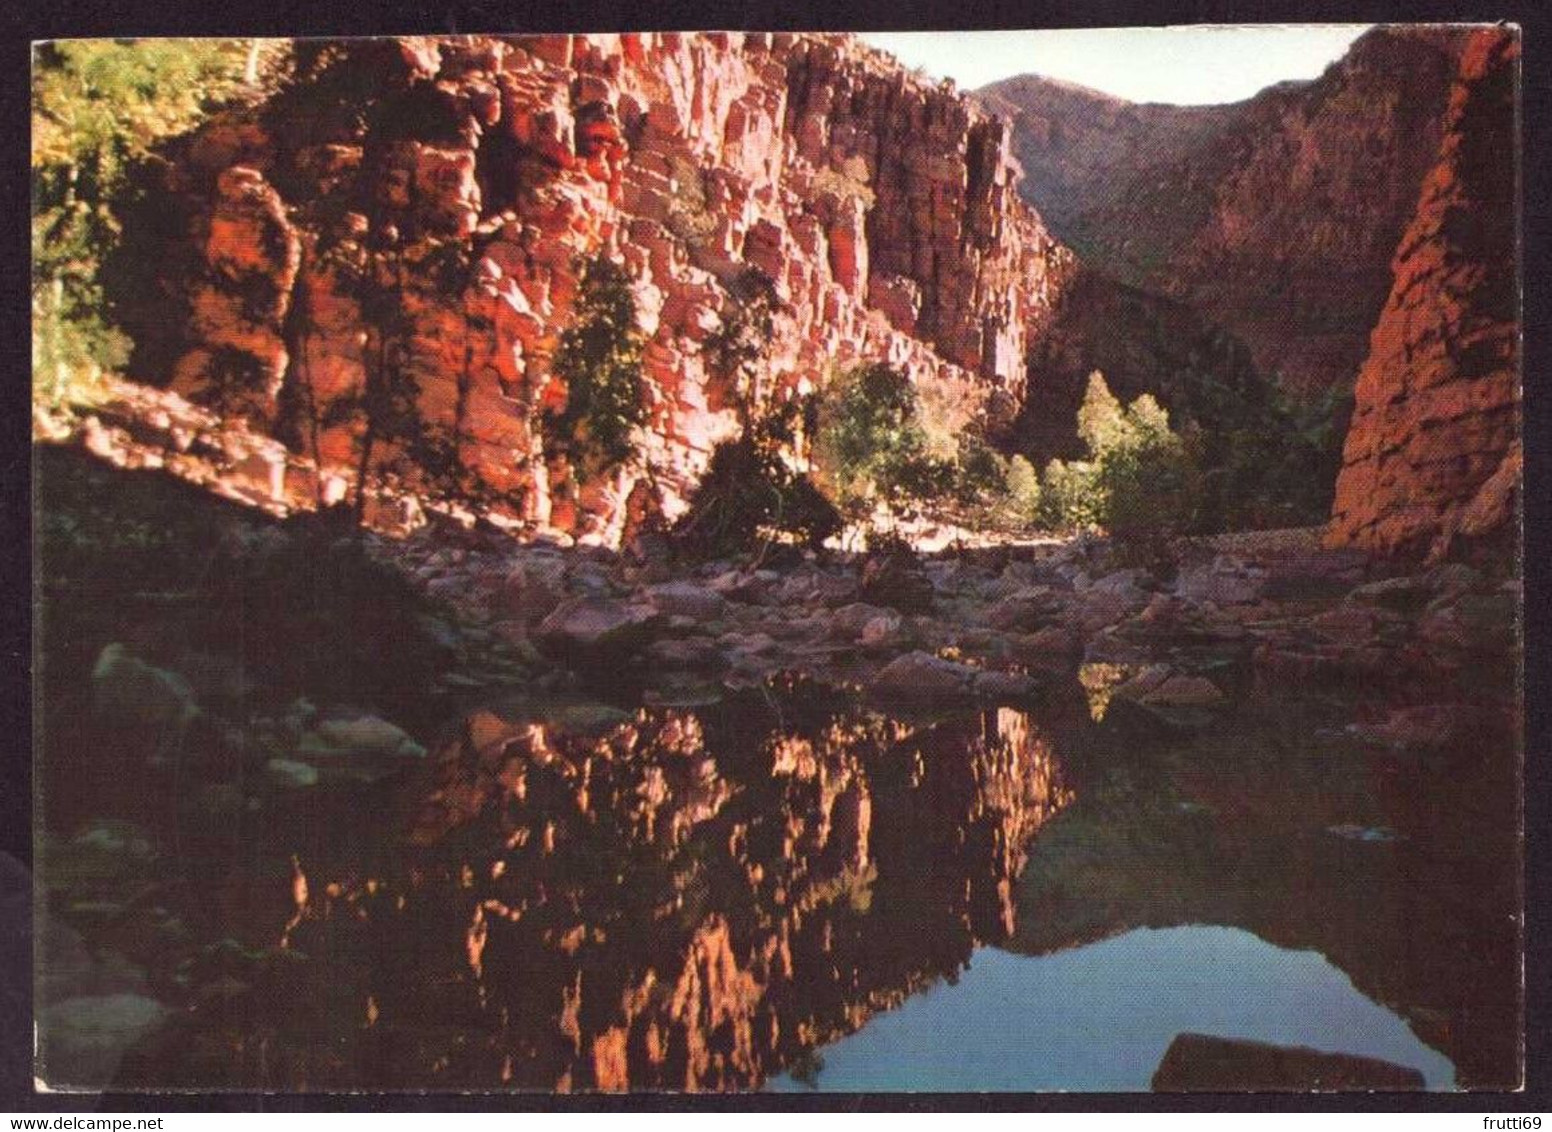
1275	217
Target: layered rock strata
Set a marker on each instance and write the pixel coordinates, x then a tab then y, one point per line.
422	206
1433	456
1275	217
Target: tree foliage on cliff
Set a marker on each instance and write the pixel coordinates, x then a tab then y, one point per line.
396	439
737	352
871	445
599	360
98	108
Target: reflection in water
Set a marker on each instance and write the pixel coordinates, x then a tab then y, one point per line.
577	897
1099	1017
677	899
1390	866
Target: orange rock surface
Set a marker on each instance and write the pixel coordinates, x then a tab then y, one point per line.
882	207
1433	453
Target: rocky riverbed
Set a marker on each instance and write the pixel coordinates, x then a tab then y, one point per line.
297	729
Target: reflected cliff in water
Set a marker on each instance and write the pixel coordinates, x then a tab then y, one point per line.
574	896
674	898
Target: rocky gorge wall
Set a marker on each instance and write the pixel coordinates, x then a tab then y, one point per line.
1433	456
467	177
1275	218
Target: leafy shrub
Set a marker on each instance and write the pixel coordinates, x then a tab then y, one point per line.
877	444
1022	495
849	182
689	215
599	359
1069	495
751	496
99	109
736	350
1278	466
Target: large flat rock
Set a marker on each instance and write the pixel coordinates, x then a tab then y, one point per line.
1201	1063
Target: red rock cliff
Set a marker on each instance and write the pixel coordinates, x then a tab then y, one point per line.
1275	218
882	207
1433	454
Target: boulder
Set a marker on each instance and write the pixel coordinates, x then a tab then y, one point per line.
1150	679
848	622
367	734
127	690
1051	646
598	628
1226	581
105	858
686	599
681	653
534	588
1475	623
924	678
1004	686
1408	592
752	588
1184	691
82	1040
880	631
69	969
1160	701
357	750
1025	610
289	774
895	580
1133	584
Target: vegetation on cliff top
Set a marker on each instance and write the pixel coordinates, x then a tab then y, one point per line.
100	107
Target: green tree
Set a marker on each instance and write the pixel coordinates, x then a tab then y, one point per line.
752	495
1022	501
98	108
980	474
737	351
599	359
1140	479
395	438
1102	423
871	446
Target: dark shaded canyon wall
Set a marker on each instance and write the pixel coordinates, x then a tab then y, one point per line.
1143	343
1432	460
1275	218
882	207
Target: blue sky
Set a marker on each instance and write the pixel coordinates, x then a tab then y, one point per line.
1186	65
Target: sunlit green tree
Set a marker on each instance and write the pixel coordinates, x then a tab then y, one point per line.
1140	478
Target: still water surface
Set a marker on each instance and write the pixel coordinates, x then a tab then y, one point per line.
795	889
1098	1018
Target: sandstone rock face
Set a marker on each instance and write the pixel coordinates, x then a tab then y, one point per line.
420	207
1275	217
1433	453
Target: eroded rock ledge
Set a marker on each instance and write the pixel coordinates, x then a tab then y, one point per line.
881	206
1433	455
